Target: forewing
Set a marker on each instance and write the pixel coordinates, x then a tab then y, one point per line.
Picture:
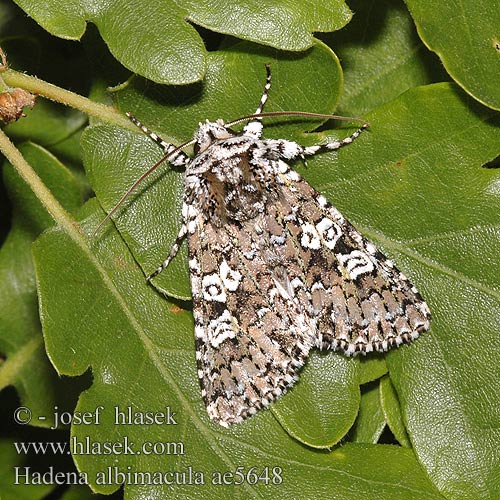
359	298
251	335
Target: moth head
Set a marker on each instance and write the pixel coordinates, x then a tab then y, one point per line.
210	132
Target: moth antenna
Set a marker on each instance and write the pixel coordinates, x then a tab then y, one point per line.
297	113
137	182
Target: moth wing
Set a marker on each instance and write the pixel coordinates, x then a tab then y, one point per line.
251	336
359	298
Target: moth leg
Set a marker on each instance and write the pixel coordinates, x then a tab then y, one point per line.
173	252
331	146
254	127
265	93
178	159
177	243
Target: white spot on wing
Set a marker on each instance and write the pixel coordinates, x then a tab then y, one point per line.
310	237
322	202
293	176
254	128
282	167
290	149
356	263
221	329
329	231
370	248
213	289
230	277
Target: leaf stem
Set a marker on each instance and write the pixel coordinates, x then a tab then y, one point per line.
53	207
3	86
9	371
54	93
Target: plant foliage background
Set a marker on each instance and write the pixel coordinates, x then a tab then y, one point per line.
80	327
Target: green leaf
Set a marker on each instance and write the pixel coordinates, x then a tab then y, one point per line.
392	411
32	50
80	493
381	56
407	178
8	489
464	34
150	219
178	55
371	368
323	406
371	420
27	366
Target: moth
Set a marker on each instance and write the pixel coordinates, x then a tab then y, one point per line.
275	269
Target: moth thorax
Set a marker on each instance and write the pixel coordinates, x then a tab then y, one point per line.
241	204
208	133
239	194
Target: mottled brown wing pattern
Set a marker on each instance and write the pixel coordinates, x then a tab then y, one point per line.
251	335
361	301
